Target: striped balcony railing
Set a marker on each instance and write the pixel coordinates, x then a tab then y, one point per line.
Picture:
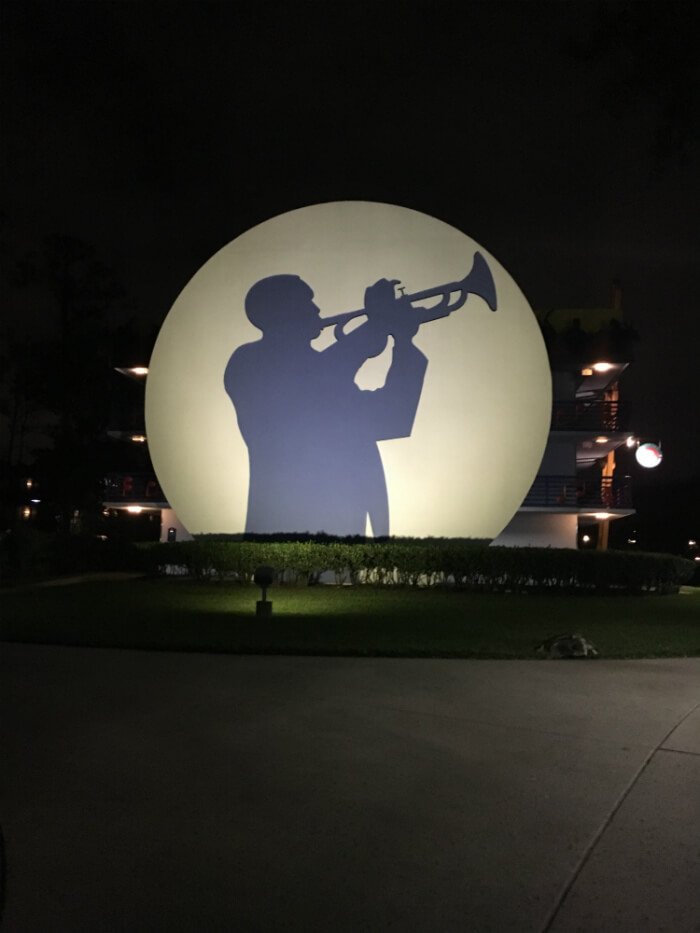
132	487
589	415
569	492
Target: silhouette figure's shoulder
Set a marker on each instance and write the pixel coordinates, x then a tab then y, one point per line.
243	359
246	353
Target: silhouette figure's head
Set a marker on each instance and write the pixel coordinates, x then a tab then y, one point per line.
283	305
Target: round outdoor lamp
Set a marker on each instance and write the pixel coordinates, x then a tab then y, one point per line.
264	576
648	455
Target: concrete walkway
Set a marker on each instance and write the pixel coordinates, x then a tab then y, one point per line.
167	792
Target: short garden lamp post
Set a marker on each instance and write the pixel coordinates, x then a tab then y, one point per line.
264	577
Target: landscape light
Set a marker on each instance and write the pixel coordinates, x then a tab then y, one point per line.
602	367
264	576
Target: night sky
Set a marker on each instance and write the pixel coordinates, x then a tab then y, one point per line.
563	137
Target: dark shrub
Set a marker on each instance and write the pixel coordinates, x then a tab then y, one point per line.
466	564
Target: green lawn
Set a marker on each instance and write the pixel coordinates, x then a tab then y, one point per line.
181	615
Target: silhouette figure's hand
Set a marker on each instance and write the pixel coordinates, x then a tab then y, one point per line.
394	315
380	298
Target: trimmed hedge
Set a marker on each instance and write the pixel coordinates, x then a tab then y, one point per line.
464	564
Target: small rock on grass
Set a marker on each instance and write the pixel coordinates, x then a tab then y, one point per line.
567	646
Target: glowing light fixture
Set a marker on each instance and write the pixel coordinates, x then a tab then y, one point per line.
138	438
601	516
649	455
692	543
587	371
26	512
29	483
586	539
630	441
139	370
602	367
134	509
602	439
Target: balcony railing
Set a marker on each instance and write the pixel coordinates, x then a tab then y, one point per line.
589	415
569	492
132	487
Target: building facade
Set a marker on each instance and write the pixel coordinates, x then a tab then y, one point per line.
581	485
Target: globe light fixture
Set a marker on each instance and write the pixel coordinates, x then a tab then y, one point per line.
648	455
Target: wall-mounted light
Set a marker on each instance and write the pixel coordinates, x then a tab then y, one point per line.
587	371
601	516
602	367
138	370
586	539
631	441
138	438
648	455
134	509
602	439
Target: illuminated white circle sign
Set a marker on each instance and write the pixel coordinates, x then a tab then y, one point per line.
425	413
648	455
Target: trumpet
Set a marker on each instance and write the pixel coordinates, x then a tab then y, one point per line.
479	281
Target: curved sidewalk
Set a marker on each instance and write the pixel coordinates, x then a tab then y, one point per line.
154	791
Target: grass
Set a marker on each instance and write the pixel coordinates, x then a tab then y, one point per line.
185	616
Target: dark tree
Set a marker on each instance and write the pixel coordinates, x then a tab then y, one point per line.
61	379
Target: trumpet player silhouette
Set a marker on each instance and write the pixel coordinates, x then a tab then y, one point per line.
311	432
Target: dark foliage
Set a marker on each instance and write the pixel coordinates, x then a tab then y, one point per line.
464	564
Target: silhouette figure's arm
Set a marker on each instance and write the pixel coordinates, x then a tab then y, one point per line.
242	384
392	409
